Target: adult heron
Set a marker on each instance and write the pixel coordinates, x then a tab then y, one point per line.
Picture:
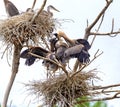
10	8
49	12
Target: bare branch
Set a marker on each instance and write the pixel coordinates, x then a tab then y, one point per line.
112	26
104	34
84	66
98	29
33	5
15	66
88	29
100	99
55	62
106	87
40	10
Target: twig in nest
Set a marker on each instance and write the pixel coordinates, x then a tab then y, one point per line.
40	10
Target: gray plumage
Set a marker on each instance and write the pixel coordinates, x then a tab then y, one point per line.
73	50
11	8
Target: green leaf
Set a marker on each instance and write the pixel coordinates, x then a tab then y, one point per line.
100	104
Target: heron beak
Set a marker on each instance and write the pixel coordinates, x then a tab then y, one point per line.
52	7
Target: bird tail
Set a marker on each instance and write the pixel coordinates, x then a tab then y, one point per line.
83	57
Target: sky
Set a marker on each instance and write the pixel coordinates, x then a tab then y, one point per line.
77	12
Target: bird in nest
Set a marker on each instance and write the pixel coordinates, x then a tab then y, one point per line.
11	9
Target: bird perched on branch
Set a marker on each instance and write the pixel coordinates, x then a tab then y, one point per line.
59	47
10	8
39	53
78	48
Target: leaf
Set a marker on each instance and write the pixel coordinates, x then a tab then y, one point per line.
100	104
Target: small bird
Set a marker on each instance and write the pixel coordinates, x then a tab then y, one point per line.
10	8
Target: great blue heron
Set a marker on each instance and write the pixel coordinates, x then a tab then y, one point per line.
10	8
73	42
49	11
79	52
30	59
59	47
78	48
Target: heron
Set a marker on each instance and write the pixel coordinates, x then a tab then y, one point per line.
11	9
78	48
73	42
79	52
49	9
59	47
30	59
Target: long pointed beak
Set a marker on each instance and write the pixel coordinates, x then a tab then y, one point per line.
52	7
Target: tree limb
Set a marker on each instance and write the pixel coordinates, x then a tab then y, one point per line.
15	66
40	10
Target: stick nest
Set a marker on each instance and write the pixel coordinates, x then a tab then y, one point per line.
19	29
62	90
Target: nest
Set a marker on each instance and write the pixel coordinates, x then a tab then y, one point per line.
62	90
19	29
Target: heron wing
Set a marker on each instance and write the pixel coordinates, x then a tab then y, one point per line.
11	9
30	59
83	42
73	50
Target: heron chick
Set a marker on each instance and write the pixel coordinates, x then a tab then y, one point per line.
30	59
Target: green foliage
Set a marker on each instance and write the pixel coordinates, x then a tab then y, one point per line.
100	104
90	104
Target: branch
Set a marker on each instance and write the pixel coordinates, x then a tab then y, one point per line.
15	66
88	29
77	62
55	62
104	34
106	87
40	10
33	4
99	99
97	30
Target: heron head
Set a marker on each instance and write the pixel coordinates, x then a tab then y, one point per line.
83	42
50	7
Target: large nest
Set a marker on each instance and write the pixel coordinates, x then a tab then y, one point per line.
62	90
19	29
